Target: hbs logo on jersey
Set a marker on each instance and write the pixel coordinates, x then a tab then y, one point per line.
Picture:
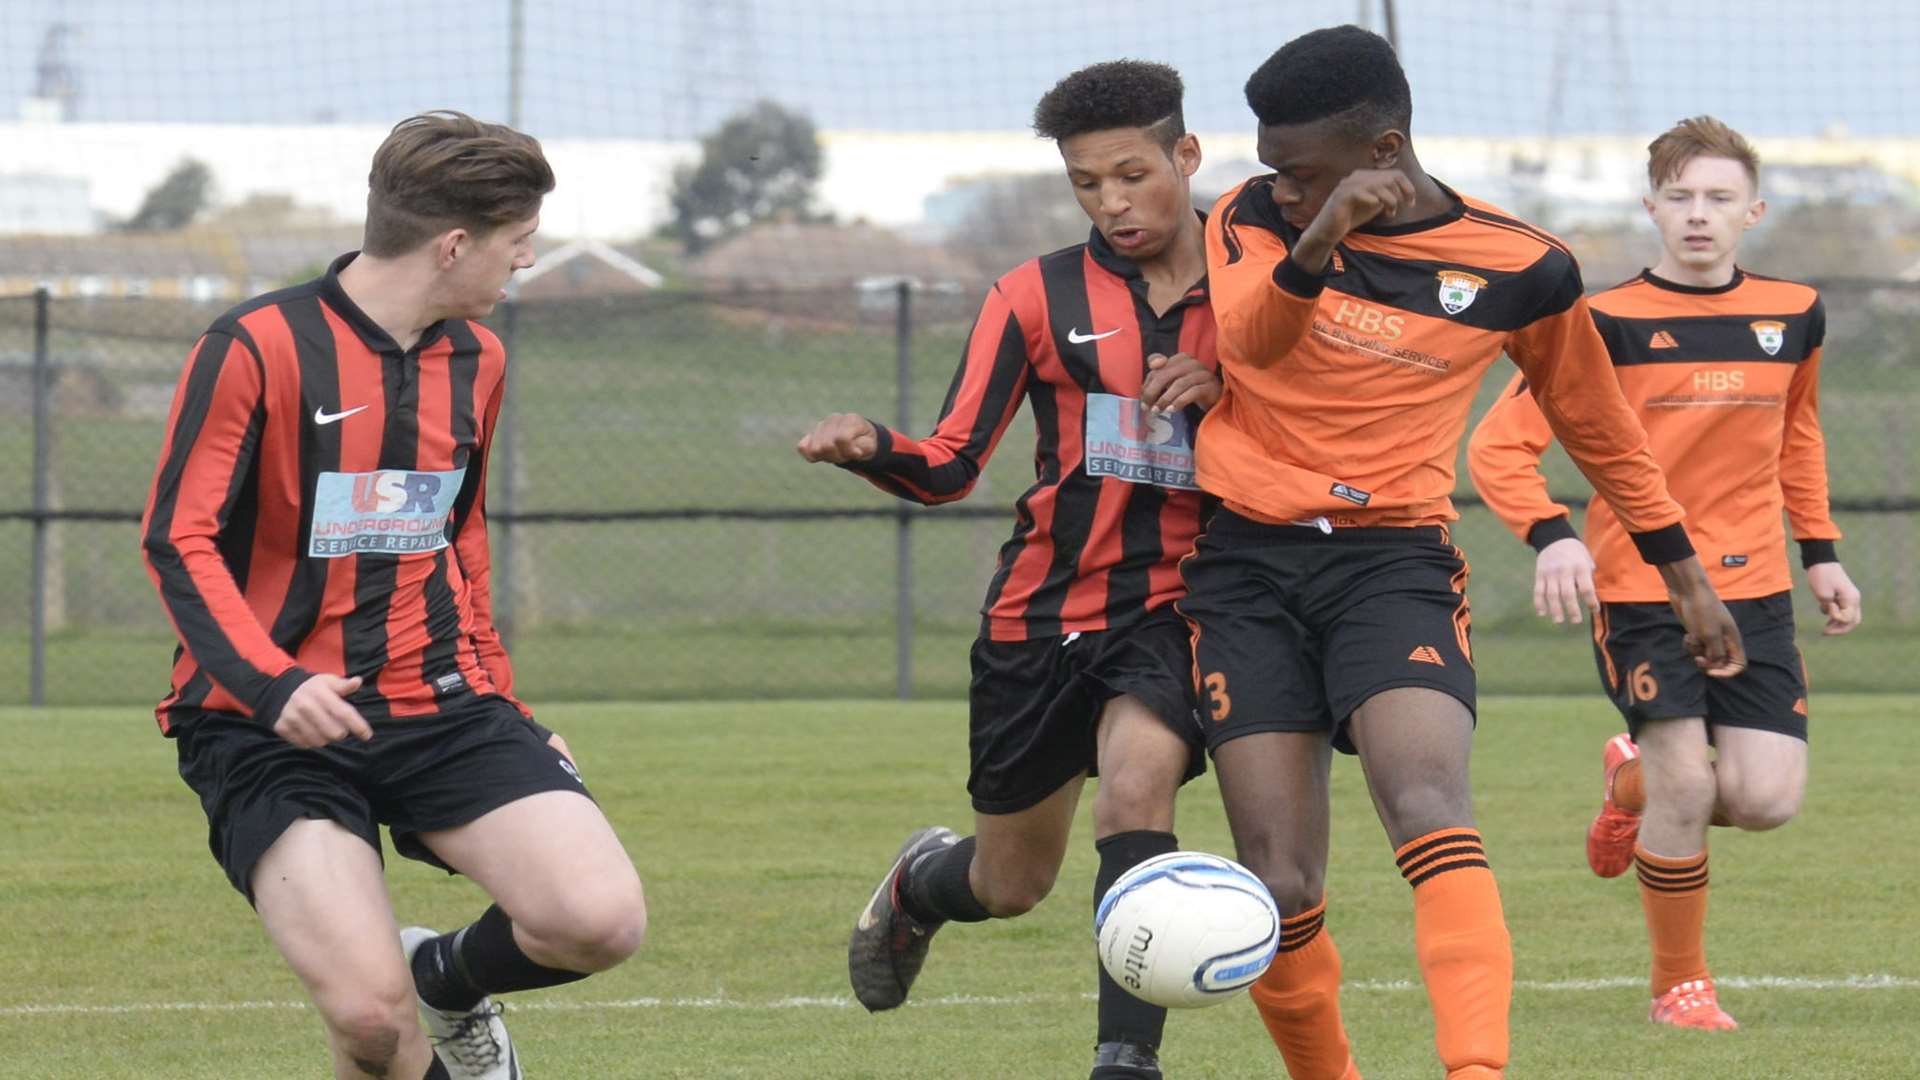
389	511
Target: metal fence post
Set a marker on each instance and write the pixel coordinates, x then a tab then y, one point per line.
503	467
42	487
903	516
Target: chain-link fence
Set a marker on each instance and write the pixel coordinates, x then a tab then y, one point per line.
656	535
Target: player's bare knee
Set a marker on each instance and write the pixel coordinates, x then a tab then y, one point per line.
1132	800
1007	896
1295	883
1683	792
591	929
1295	888
607	932
1759	806
1411	811
369	1023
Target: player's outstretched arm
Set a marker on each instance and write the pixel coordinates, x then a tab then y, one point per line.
1839	599
1712	637
987	389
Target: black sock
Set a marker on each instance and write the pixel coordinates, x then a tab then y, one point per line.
1123	1017
454	971
934	887
436	1069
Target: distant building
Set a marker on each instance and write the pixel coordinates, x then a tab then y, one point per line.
45	203
813	255
162	266
1853	183
584	268
825	272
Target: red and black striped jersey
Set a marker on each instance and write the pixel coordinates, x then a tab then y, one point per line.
1347	393
1726	381
318	507
1098	537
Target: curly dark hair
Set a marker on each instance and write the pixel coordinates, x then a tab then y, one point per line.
1341	71
1114	94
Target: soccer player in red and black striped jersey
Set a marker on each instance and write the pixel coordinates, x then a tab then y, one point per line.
1082	668
1359	302
1723	367
316	530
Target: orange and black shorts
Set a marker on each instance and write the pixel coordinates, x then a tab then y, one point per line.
1640	649
1295	627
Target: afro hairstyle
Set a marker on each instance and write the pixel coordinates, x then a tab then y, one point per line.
1114	94
1340	71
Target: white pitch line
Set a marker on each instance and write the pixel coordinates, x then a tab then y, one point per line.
721	1001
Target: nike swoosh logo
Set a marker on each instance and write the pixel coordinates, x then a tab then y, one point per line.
322	417
869	915
1074	335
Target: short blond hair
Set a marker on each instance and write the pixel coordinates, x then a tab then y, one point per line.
1699	136
444	169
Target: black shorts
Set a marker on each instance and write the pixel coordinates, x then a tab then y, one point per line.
1295	628
1644	667
418	775
1035	705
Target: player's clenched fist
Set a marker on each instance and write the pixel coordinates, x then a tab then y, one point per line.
1360	197
840	438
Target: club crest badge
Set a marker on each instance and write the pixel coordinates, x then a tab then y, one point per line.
1457	290
1770	334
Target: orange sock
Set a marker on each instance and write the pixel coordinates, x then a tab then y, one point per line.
1628	787
1299	1000
1673	891
1466	957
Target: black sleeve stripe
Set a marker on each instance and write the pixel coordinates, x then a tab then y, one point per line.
1009	361
1518	226
213	650
1226	233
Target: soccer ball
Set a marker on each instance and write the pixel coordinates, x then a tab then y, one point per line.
1187	929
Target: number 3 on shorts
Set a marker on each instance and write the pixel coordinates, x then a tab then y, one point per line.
1218	703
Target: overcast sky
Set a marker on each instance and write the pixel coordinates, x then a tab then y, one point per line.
670	68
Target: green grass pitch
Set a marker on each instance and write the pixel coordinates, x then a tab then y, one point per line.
760	827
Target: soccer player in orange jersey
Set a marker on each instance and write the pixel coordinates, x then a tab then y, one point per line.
1359	302
1723	367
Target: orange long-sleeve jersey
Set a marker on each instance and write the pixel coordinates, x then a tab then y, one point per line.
1347	394
1726	382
